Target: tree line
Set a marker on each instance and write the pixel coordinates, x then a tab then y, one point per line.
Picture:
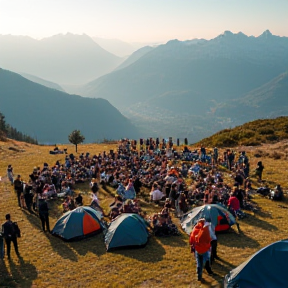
7	131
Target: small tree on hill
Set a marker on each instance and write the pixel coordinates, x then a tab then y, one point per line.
76	138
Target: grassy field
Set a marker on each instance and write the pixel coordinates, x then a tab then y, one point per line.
47	261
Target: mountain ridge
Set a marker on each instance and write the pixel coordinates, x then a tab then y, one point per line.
50	115
58	58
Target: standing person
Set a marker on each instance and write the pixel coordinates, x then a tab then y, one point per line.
200	241
28	196
18	186
259	170
10	235
44	214
173	195
215	155
213	241
10	174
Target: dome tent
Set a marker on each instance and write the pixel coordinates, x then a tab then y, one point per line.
265	269
128	229
78	223
220	217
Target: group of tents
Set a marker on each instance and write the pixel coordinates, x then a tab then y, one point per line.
128	229
266	268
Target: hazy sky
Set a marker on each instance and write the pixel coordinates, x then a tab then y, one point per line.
143	20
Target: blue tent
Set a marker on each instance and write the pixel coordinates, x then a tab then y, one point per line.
220	217
78	223
127	229
267	268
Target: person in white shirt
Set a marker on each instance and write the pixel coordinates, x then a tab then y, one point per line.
156	194
213	241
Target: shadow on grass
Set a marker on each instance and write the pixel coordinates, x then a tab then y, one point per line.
254	221
263	214
94	244
237	240
221	268
22	274
152	252
174	241
6	280
62	248
57	244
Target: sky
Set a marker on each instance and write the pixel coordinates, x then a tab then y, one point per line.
143	20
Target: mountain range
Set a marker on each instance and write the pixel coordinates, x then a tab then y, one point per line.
179	85
50	115
185	89
63	59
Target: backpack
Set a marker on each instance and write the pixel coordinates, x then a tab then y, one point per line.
16	229
203	235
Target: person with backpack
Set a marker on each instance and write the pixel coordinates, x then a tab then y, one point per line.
10	232
200	242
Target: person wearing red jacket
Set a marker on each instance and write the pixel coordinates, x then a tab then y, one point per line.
200	241
233	204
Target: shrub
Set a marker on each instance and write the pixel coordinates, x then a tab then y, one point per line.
271	137
251	142
276	155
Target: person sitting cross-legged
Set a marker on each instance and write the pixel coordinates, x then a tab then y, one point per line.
155	194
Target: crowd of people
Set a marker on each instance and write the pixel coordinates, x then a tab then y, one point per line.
158	167
173	180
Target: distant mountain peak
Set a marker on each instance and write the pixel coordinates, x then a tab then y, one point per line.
266	34
228	33
172	42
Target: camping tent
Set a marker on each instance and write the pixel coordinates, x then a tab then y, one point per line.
265	269
220	217
78	223
128	229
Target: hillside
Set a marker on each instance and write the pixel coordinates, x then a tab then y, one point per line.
47	261
50	115
250	134
269	100
64	59
43	82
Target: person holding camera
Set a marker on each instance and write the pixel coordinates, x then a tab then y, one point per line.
10	231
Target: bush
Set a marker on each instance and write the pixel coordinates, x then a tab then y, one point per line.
271	138
276	155
251	142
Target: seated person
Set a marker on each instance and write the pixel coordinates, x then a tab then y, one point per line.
277	194
65	204
135	206
79	200
71	204
114	213
156	195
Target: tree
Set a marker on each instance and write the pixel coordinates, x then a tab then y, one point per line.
3	129
76	138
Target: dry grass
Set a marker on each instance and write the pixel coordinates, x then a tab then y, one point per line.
165	262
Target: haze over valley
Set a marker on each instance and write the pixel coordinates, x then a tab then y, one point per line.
181	71
182	89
